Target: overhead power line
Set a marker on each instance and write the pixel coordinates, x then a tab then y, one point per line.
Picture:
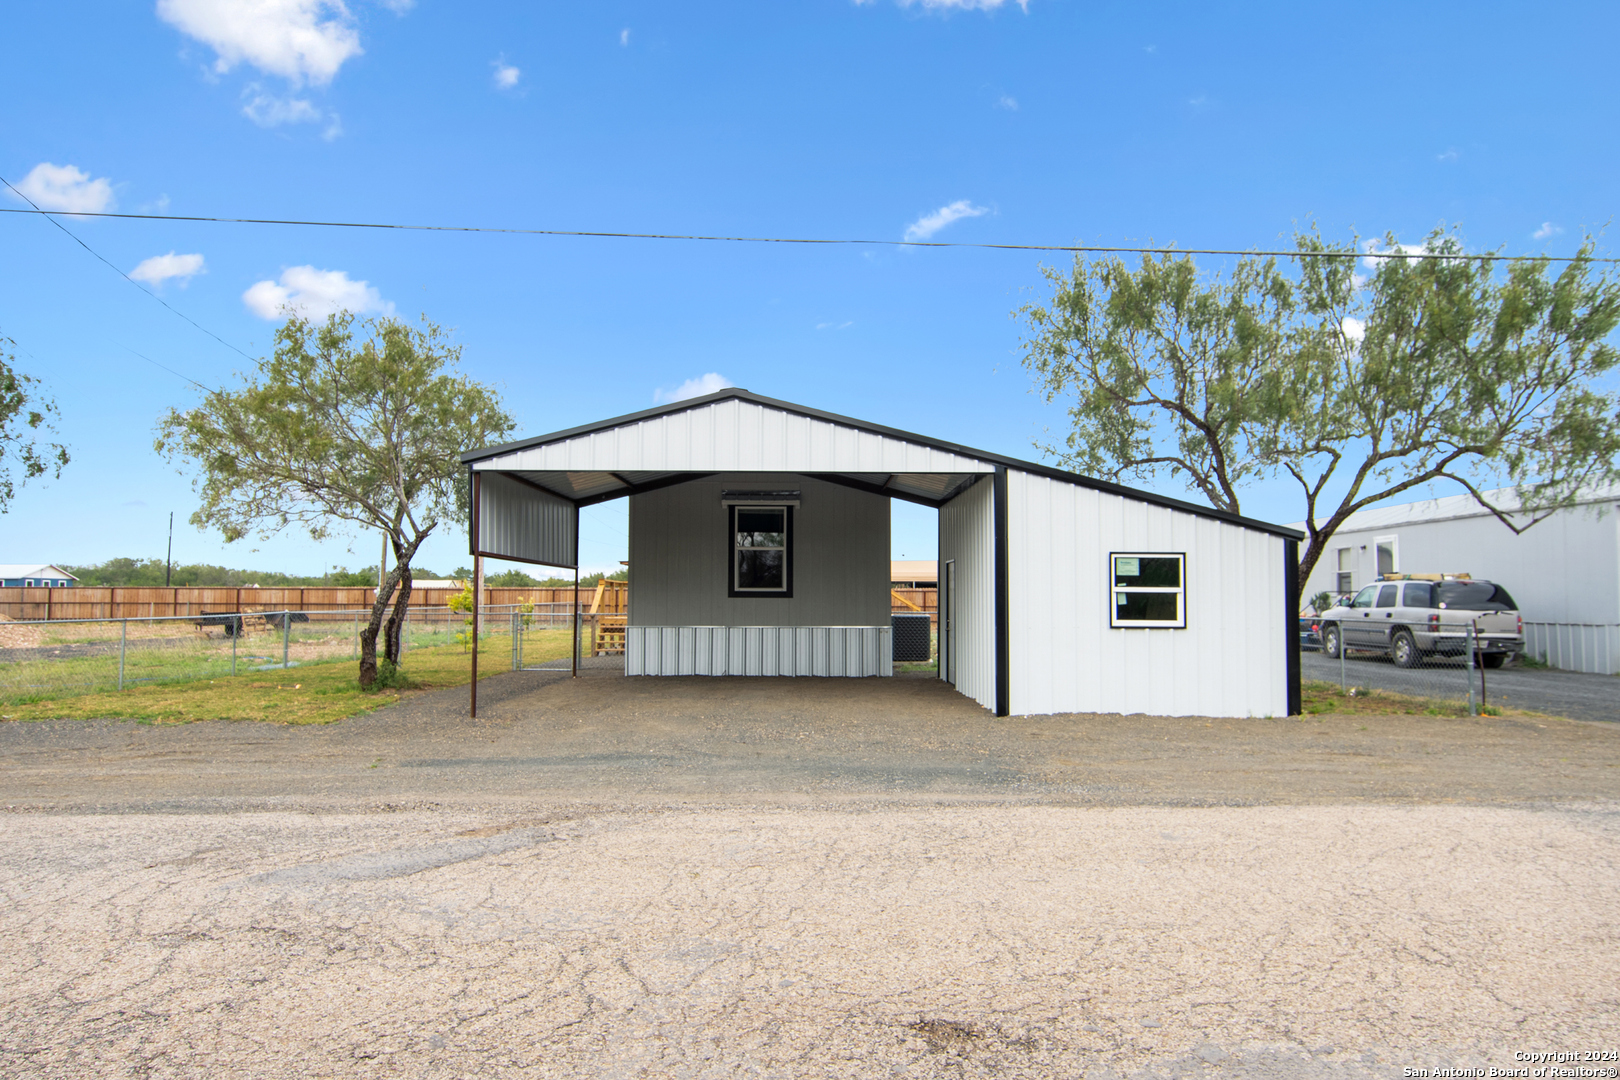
50	215
1082	249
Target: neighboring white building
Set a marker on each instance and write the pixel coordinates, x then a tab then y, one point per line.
759	537
1564	572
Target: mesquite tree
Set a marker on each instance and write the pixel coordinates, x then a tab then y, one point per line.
1433	366
25	421
338	430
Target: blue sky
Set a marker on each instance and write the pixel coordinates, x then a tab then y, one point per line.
1217	125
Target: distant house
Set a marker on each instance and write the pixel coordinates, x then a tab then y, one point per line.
913	574
35	576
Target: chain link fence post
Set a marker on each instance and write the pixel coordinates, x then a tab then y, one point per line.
1469	670
286	636
236	634
517	642
123	641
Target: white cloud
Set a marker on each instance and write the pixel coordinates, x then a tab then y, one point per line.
929	224
963	5
267	110
1008	102
835	326
314	294
1547	229
161	268
506	75
1448	155
1354	329
624	36
66	188
691	388
296	39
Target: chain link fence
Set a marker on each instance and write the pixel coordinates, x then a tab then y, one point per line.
1446	664
63	657
41	660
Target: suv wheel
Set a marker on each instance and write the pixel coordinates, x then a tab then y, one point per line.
1492	659
1405	650
1330	641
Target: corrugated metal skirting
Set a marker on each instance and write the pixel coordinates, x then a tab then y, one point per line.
839	651
1590	647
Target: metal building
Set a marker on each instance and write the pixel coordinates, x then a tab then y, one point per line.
759	542
1563	572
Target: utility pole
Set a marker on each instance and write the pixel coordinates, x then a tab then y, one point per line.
168	560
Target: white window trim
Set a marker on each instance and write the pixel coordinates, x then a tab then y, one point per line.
1179	591
1394	543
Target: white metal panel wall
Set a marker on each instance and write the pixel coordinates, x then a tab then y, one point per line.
519	521
734	435
1229	661
967	535
1575	646
829	651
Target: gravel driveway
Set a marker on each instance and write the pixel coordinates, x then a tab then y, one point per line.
815	878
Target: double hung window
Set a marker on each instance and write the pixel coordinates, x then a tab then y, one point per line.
1149	589
761	550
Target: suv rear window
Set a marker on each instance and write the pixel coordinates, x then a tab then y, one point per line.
1474	596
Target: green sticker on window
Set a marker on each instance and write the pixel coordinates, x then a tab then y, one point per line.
1128	566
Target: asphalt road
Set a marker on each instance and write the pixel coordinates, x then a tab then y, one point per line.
1556	693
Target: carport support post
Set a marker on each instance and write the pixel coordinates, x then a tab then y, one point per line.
575	669
478	594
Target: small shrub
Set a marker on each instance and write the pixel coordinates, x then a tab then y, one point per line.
389	677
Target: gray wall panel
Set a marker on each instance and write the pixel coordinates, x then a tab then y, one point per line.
516	521
679	558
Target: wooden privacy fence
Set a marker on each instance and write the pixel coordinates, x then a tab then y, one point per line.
32	605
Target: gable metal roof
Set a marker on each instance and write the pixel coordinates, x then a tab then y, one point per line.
662	445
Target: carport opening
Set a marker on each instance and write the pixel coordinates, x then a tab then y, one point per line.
765	556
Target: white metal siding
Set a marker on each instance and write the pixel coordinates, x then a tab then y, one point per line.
517	521
1575	646
832	651
734	435
1228	661
967	535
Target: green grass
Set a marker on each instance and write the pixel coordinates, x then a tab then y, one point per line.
314	692
1325	697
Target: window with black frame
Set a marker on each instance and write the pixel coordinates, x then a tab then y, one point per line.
761	550
1149	589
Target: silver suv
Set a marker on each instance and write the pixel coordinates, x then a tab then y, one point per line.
1412	620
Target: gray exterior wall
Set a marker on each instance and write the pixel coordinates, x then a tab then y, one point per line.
680	556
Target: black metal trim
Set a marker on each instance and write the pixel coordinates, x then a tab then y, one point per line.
739	394
731	558
873	489
642	489
1003	612
1113	607
1296	697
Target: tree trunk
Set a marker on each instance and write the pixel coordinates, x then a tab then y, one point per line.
375	628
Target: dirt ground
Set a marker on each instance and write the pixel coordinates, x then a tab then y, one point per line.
812	878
